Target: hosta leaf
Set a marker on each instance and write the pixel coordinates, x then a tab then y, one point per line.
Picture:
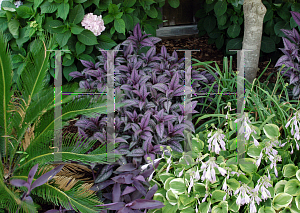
289	170
222	207
271	131
177	185
217	196
279	187
249	166
281	200
292	187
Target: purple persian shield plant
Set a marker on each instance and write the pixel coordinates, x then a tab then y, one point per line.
151	86
290	51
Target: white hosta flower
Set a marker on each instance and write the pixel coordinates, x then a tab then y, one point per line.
93	23
243	197
295	121
209	171
245	127
215	140
18	4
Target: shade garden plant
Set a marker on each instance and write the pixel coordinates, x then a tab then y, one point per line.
153	172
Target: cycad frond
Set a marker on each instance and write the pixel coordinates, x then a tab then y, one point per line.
32	77
5	93
80	197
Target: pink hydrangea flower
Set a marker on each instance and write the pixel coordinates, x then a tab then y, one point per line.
93	23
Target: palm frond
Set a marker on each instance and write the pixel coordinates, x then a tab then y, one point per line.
5	93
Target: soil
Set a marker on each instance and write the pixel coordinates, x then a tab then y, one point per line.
209	52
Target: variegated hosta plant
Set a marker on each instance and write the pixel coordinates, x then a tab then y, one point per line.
212	182
28	173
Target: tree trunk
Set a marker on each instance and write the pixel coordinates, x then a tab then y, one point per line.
254	12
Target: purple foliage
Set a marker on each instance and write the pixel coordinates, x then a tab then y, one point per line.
291	53
153	89
38	182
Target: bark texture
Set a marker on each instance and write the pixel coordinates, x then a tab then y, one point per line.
254	12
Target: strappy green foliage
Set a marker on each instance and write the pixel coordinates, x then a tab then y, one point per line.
27	132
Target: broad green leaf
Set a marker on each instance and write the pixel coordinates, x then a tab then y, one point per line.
68	60
63	10
220	8
233	183
199	188
217	196
149	29
234	30
249	166
80	48
289	170
210	23
292	187
267	45
174	3
297	201
266	209
271	131
222	19
108	18
76	14
204	207
188	210
269	15
186	200
113	9
37	3
232	204
129	3
13	27
172	197
254	151
164	176
75	29
177	185
118	15
52	26
281	25
128	21
281	200
24	11
279	187
68	70
87	58
169	208
152	12
48	7
167	183
63	38
8	6
233	44
222	207
119	25
87	37
105	42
